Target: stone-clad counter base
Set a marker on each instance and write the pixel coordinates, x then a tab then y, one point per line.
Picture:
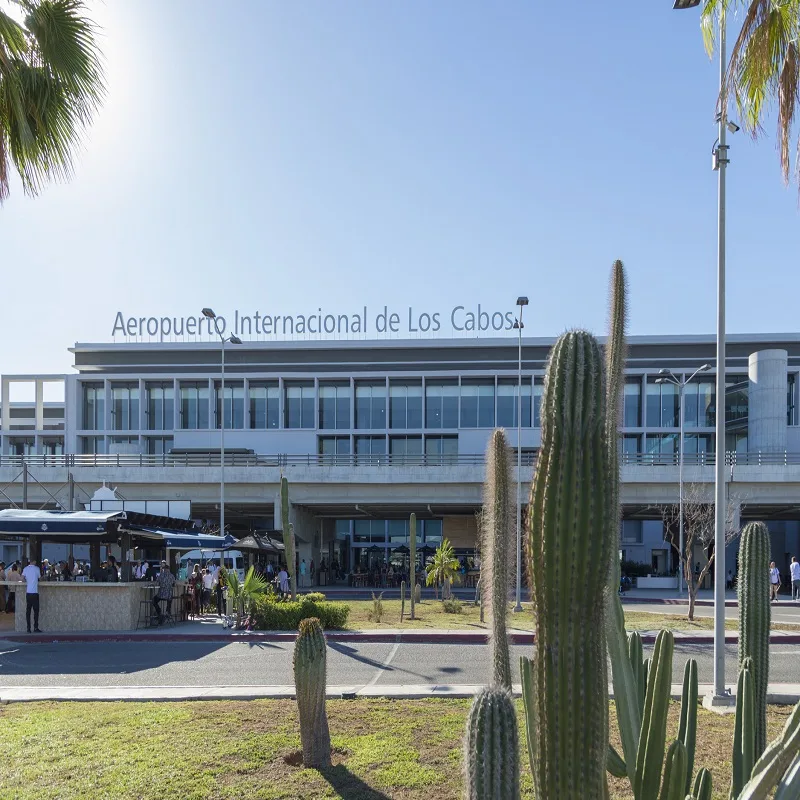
72	606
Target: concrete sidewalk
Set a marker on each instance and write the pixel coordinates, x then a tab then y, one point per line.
184	634
777	693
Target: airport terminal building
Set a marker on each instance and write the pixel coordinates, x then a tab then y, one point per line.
369	431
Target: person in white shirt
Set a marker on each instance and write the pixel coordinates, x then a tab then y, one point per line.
31	575
208	581
794	569
774	582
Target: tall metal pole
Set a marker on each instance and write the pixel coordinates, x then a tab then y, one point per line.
719	461
682	386
222	446
518	605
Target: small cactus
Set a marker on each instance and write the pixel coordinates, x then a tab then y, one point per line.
497	528
754	618
744	734
417	595
491	749
309	680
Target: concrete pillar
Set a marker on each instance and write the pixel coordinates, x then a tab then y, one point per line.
767	426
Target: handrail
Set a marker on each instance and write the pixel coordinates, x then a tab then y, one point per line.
212	459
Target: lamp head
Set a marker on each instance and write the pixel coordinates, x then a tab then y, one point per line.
522	301
207	312
233	339
681	5
705	368
665	371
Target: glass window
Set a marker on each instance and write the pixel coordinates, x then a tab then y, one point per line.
160	406
736	398
125	406
299	405
631	444
334	446
632	531
405	449
94	404
662	404
398	532
538	390
194	405
369	530
371	405
432	530
441	404
698	411
405	405
265	401
507	389
632	413
92	445
477	403
159	445
736	442
441	449
698	443
370	449
334	406
665	444
234	404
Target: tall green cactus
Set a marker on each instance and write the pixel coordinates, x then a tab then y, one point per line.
567	694
498	510
412	539
491	761
744	739
309	681
288	536
754	618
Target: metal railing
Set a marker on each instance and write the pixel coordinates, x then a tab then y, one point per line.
212	459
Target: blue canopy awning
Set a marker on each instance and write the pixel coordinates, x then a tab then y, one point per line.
182	540
52	524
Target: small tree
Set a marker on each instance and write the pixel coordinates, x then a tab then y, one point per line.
444	567
244	593
698	529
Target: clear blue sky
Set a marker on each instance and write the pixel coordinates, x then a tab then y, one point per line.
280	157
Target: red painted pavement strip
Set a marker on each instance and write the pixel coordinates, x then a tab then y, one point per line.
521	638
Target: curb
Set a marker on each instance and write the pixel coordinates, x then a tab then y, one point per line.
367	637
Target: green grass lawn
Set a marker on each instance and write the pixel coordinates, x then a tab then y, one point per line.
431	614
213	750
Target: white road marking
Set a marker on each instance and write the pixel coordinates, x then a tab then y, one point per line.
386	663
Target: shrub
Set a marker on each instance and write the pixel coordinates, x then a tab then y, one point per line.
269	615
376	615
635	569
313	597
452	606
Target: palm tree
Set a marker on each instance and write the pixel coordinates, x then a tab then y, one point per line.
244	593
51	84
443	567
764	67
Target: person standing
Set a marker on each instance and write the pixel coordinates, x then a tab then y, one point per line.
303	571
31	575
283	582
166	580
774	582
208	580
794	569
219	580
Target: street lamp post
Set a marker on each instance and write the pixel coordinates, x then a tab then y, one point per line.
521	302
720	163
668	377
233	339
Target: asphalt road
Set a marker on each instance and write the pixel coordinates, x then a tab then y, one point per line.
781	612
268	664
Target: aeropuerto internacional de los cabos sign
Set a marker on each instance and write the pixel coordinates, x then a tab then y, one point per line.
386	321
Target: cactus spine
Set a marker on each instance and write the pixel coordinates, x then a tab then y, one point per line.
412	538
570	556
754	618
491	763
402	600
497	533
288	536
309	681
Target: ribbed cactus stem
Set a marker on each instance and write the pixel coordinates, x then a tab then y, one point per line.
569	564
754	618
309	681
491	761
498	511
744	730
412	544
402	600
